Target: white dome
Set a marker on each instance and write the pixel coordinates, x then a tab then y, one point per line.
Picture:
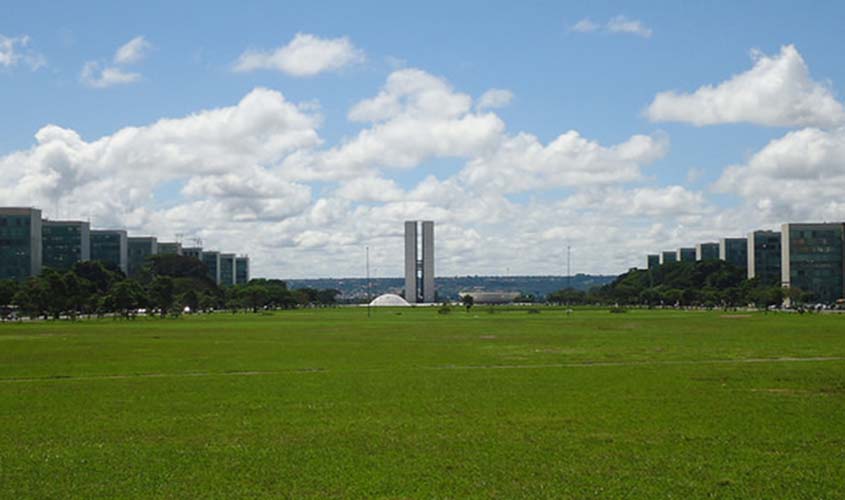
389	300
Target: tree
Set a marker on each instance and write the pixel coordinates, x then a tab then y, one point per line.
327	297
8	289
468	301
125	298
162	295
191	300
32	297
254	296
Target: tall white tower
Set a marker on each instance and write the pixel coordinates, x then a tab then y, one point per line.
419	273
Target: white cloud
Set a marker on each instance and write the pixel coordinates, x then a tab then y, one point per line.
798	176
621	24
221	154
584	26
239	177
305	55
616	25
523	163
416	116
777	91
132	51
13	51
96	77
494	98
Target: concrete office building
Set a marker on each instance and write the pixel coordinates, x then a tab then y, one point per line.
195	252
764	256
652	261
212	263
110	246
813	259
227	269
242	270
64	243
20	242
734	251
667	257
419	273
140	249
707	251
169	248
686	254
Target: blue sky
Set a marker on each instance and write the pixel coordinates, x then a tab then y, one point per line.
599	80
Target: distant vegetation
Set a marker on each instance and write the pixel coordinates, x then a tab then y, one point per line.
706	284
168	285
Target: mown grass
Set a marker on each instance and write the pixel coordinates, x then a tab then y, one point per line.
415	404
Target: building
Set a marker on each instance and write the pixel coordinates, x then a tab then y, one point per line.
20	243
169	248
212	263
111	247
242	270
419	273
686	254
141	248
227	269
764	256
64	243
734	251
667	257
652	261
195	252
707	251
813	259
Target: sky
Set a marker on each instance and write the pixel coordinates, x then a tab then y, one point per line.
301	133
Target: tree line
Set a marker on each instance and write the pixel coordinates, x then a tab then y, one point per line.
168	285
704	284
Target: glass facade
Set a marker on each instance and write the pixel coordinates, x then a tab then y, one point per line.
241	270
64	243
734	251
686	254
764	257
110	247
707	251
140	249
814	260
652	261
20	243
195	252
667	257
227	269
212	262
169	248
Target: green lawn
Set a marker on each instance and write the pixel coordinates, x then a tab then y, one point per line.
413	404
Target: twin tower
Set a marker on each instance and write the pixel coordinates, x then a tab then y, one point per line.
419	273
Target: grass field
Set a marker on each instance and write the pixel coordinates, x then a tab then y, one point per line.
413	404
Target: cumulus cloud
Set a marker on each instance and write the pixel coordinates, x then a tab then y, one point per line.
416	116
523	163
776	91
621	24
14	50
616	25
305	55
798	176
99	78
99	75
132	51
219	153
494	98
584	26
242	178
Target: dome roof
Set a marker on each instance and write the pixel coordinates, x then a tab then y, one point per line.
389	300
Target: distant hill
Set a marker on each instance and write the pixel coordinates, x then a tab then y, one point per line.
448	288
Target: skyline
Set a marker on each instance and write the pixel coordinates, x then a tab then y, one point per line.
302	135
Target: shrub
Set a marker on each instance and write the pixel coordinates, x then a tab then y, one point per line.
618	310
